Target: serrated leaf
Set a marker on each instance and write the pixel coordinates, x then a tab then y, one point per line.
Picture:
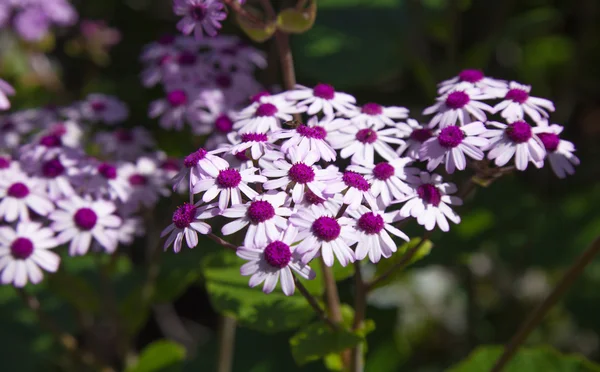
385	265
297	21
158	356
256	33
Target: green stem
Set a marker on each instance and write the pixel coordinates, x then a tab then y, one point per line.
315	305
227	329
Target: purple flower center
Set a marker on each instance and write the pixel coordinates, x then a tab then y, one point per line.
326	228
98	106
223	124
266	109
184	215
301	173
51	141
383	171
259	95
550	141
137	180
85	218
166	39
519	131
312	132
370	223
278	254
18	190
229	178
353	179
324	91
312	198
260	211
366	135
187	59
170	165
52	168
166	58
517	95
192	159
456	100
254	137
7	126
372	109
470	76
107	171
124	135
421	135
451	136
21	248
177	98
4	162
223	81
198	12
429	194
241	156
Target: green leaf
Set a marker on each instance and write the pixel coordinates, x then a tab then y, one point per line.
295	21
256	33
384	265
318	340
158	356
539	359
230	294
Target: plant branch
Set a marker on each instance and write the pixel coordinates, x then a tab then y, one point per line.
315	305
287	61
222	242
360	309
534	319
226	343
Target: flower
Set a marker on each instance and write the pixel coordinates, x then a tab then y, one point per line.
104	108
517	102
146	182
265	115
5	90
125	143
24	251
229	185
518	139
199	16
388	179
258	143
19	194
103	180
198	165
372	231
452	143
322	98
14	127
463	106
78	221
264	216
173	110
361	141
355	188
331	202
373	114
414	134
429	203
473	79
558	151
274	260
298	174
322	233
56	174
187	221
307	139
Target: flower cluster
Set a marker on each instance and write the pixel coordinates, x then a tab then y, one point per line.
308	173
52	192
32	19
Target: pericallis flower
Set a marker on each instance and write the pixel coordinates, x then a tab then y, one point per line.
265	115
354	187
310	138
469	79
19	194
415	135
274	261
199	16
229	185
459	106
174	110
147	182
377	115
24	251
125	143
517	102
102	180
103	108
322	98
558	151
198	165
257	143
187	222
14	127
515	139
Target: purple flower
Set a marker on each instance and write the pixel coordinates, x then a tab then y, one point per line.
558	151
516	139
517	102
5	90
199	15
32	24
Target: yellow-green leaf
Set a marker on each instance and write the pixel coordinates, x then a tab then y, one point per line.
255	32
297	21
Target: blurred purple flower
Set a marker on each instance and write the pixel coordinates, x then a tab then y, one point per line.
199	15
5	90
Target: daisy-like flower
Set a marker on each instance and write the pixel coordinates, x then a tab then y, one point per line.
56	174
269	262
68	131
321	233
26	250
258	144
515	139
373	230
360	141
415	135
377	115
8	166
558	151
232	53
354	187
236	86
198	165
462	106
307	139
107	109
452	144
199	16
299	174
174	110
517	102
322	98
14	127
19	194
264	216
79	221
388	179
187	222
229	185
5	90
429	203
331	203
469	79
125	144
103	179
265	115
146	181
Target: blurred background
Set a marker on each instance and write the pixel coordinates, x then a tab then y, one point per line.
480	280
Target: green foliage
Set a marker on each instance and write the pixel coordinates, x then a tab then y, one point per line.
384	265
297	21
161	355
540	359
257	33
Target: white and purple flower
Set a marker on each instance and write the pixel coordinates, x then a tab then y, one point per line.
229	185
188	222
517	102
558	151
459	106
516	139
322	98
